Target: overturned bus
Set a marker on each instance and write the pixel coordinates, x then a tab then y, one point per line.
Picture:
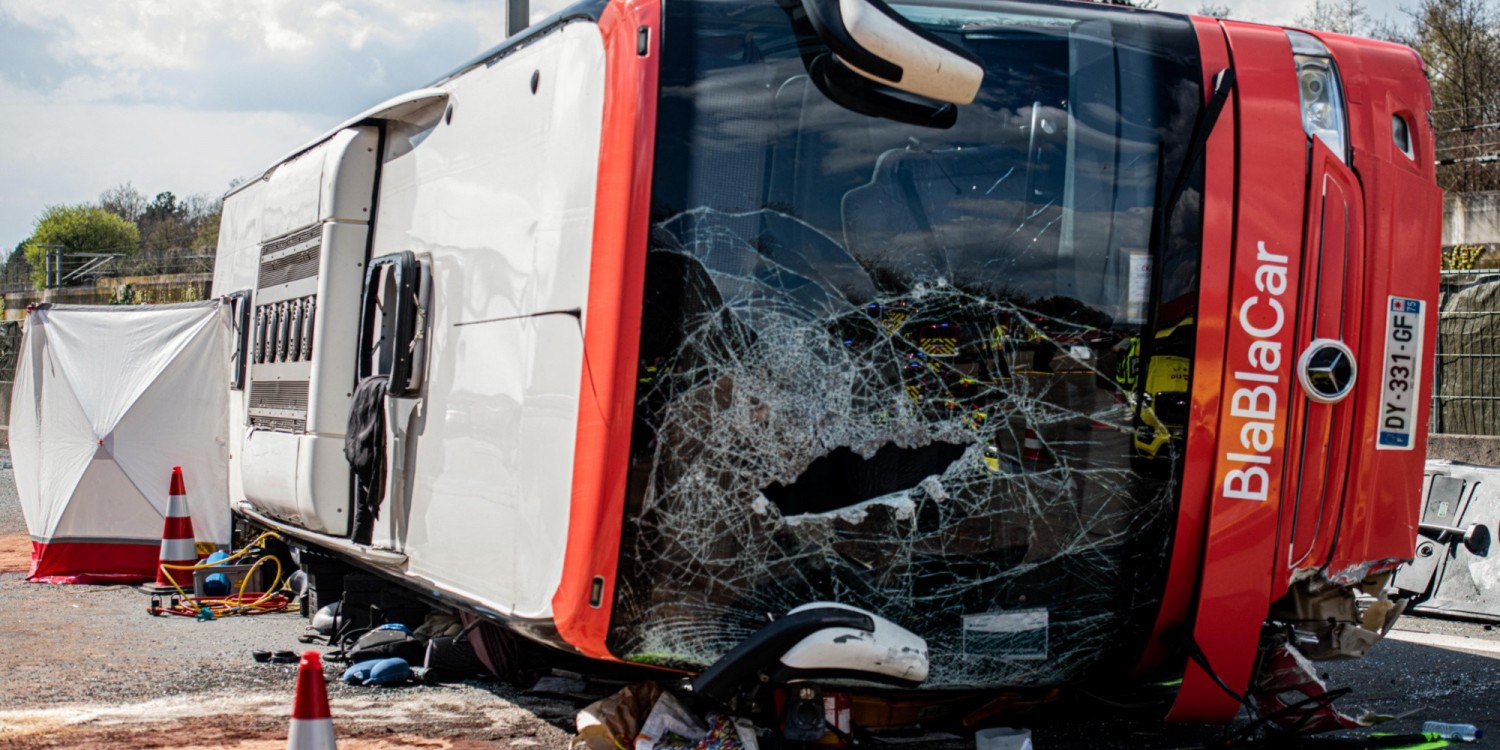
1070	340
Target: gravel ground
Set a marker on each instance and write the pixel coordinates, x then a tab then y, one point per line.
11	520
87	666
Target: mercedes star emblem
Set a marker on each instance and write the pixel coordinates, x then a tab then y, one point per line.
1327	371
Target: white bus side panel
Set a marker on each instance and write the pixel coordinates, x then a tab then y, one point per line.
238	258
501	201
235	266
314	231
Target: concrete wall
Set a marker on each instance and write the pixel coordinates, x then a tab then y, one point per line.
1474	449
1471	219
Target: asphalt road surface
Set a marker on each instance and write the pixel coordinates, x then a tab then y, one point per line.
86	666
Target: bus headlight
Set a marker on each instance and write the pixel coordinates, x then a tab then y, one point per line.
1322	93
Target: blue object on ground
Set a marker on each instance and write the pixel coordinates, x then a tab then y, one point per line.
356	674
216	585
389	672
378	672
395	626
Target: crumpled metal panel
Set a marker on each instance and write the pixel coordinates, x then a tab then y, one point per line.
1457	568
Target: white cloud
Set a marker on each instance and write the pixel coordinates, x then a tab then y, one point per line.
1280	12
168	51
184	95
171	34
76	150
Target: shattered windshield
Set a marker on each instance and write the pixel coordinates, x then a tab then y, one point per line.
940	373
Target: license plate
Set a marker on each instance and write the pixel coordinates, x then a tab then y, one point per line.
1402	370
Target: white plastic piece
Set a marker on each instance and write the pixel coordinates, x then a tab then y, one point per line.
927	69
891	650
292	195
1002	738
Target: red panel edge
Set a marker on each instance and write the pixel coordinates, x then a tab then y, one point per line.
1234	591
93	562
1208	362
612	327
1378	522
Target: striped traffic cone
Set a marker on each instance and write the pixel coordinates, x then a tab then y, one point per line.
312	724
178	546
1031	449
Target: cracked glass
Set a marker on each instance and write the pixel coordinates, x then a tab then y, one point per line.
939	373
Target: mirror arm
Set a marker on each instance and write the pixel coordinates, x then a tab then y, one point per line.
855	92
827	19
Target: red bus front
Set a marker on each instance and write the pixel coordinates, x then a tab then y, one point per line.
1098	371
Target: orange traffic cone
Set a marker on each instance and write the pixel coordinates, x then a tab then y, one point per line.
178	546
312	725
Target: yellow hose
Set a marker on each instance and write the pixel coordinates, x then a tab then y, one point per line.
235	604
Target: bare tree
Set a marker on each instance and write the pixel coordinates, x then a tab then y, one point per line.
1460	42
124	201
1216	10
1338	16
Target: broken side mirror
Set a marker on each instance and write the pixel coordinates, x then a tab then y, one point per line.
874	41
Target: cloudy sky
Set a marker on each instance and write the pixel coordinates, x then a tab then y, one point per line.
185	95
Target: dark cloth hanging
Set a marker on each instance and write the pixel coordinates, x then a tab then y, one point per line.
364	447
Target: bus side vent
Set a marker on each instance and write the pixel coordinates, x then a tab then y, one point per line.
277	424
280	396
310	234
279	405
302	264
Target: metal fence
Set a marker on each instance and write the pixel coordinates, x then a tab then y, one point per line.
1466	379
10	351
85	269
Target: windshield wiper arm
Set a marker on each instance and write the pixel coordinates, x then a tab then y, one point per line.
1207	119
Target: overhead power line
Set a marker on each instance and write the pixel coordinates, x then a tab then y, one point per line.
1485	159
1486	144
1471	128
1464	108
